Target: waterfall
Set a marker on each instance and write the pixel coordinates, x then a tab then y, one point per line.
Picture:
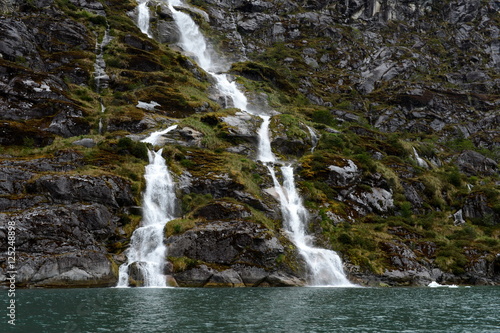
191	40
325	266
143	18
420	162
101	78
193	43
265	153
154	138
147	251
314	138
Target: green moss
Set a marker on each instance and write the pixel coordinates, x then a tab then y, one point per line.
182	264
192	201
178	226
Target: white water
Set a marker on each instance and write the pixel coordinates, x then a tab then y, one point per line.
420	162
193	43
154	138
100	76
314	138
325	266
265	153
434	284
146	244
143	18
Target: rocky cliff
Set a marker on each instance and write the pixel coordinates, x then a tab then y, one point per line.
389	109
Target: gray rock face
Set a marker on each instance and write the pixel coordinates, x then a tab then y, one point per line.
63	223
242	126
17	43
249	251
34	93
63	189
473	163
477	208
68	243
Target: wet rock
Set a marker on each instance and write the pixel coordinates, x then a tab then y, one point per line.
136	276
167	32
226	278
242	126
252	276
225	243
283	280
194	277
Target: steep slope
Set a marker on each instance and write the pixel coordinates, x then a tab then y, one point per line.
389	108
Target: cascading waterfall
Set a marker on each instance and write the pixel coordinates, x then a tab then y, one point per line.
420	161
193	42
101	78
147	250
314	138
143	18
325	266
265	153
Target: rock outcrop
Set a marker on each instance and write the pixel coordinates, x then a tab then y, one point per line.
241	254
388	109
63	223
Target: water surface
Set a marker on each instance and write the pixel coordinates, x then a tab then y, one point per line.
150	310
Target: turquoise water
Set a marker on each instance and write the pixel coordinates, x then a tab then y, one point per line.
292	310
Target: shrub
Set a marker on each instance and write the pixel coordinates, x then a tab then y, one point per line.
454	178
137	149
323	117
405	208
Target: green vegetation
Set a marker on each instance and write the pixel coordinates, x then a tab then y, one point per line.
323	94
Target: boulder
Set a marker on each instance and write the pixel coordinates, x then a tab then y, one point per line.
87	143
343	173
222	210
248	251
